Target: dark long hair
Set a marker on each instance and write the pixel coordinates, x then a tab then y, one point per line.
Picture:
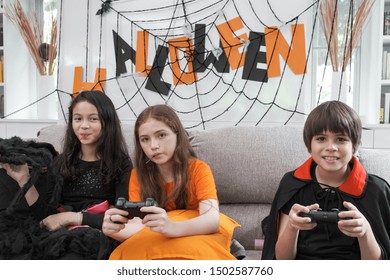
111	146
149	175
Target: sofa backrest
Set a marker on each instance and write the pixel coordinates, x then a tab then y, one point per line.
376	161
249	162
53	134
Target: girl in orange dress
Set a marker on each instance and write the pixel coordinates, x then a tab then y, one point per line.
187	223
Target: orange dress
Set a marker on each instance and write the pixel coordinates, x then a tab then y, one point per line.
149	245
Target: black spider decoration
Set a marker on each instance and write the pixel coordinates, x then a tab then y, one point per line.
105	7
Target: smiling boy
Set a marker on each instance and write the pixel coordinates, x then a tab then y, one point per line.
332	179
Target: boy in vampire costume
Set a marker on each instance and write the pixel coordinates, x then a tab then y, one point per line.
330	207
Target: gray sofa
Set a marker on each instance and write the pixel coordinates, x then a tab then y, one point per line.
248	163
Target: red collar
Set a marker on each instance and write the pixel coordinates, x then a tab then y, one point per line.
354	185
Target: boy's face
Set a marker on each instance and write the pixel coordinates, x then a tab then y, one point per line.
332	152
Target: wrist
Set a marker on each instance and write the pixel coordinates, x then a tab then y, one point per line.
74	218
292	229
177	229
79	218
23	180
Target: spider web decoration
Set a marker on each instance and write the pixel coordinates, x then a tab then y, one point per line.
207	59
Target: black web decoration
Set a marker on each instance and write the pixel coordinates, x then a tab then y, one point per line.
207	59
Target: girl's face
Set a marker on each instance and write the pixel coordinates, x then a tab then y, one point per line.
158	141
332	152
86	123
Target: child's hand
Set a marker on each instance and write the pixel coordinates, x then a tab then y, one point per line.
298	222
114	221
20	173
159	221
356	225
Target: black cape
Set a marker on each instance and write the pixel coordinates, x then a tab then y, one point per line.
369	193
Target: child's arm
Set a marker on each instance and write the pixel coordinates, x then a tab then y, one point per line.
38	202
286	245
360	228
59	220
206	223
289	227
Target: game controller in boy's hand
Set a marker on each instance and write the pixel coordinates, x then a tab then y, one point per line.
318	216
133	208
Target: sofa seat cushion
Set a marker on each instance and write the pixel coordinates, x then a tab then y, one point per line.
249	216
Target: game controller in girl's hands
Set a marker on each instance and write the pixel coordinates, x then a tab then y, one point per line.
133	207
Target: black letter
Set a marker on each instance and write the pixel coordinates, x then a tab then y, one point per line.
253	56
123	52
154	82
200	65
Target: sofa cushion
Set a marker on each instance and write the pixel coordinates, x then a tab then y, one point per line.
249	216
249	162
128	134
376	162
53	134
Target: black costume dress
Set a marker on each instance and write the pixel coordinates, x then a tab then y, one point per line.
21	236
369	193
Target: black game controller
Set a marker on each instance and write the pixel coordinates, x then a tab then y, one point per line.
317	216
133	207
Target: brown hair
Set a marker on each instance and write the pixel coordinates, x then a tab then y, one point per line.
148	174
336	117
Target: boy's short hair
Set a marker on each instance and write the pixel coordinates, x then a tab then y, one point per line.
336	117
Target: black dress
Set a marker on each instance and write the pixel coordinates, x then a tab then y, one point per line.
22	238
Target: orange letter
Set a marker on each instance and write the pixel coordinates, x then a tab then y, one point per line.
79	85
142	53
180	77
232	42
277	45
